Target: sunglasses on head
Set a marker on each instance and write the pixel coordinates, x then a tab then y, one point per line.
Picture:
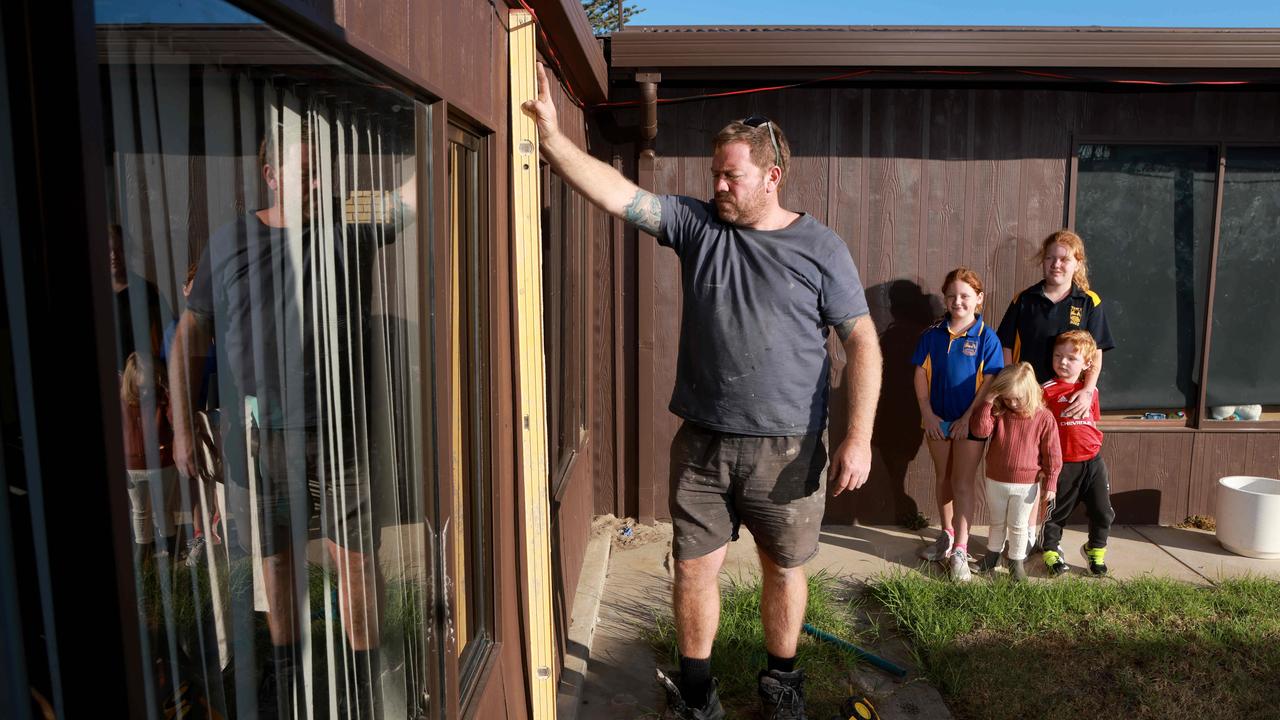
756	121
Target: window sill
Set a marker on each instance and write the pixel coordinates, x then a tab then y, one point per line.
1180	426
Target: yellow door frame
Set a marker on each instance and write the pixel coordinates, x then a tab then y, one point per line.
527	250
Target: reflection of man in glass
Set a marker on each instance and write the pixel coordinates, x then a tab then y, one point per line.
285	292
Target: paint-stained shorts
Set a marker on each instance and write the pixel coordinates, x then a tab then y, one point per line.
775	485
301	482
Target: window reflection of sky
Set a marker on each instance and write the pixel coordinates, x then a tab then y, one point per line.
176	12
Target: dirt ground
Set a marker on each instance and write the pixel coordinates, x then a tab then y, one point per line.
627	533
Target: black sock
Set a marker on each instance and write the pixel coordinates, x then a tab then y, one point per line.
786	665
285	685
695	680
365	693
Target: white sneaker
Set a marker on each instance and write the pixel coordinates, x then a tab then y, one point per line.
960	566
940	548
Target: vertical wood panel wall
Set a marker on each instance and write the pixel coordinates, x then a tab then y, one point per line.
918	181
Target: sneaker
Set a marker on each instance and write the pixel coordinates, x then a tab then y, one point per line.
781	694
195	551
1056	564
710	710
960	565
940	548
1096	557
989	561
1018	570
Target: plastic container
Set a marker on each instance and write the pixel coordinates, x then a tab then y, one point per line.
1249	516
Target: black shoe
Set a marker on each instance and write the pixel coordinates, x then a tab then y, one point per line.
989	561
1054	561
781	694
710	710
1096	559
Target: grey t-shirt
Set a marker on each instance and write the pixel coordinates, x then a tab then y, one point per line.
757	305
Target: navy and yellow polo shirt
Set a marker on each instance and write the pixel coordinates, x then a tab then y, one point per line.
1033	321
956	364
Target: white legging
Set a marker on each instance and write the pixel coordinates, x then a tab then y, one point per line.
1010	506
153	498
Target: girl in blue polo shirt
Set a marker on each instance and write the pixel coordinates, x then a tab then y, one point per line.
952	360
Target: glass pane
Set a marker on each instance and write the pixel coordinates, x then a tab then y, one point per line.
472	526
1146	216
1243	383
268	298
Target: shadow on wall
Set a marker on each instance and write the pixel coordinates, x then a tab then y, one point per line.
901	311
1133	507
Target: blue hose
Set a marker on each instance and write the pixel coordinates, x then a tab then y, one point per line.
861	654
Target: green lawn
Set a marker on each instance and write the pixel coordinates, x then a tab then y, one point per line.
1083	648
738	653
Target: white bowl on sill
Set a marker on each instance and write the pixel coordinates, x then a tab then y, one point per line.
1249	516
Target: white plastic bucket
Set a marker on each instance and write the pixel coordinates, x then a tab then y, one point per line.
1249	516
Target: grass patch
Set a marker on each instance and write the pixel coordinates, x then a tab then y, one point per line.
1077	647
739	654
1199	522
919	521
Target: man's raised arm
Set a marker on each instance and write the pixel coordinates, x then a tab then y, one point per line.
598	182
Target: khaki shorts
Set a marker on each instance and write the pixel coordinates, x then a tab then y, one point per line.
775	485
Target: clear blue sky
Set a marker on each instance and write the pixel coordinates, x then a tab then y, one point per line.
1154	13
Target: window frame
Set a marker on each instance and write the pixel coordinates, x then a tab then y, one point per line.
567	215
1197	419
475	660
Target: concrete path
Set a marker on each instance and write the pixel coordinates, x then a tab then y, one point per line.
629	583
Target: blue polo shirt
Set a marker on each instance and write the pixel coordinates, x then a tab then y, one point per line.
955	364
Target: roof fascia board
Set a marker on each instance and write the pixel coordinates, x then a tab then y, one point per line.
565	23
868	47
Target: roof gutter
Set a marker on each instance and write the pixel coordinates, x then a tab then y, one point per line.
655	48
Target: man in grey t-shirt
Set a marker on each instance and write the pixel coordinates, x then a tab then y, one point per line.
762	285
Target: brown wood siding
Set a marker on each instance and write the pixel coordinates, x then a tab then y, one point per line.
451	49
918	181
603	417
1220	454
572	514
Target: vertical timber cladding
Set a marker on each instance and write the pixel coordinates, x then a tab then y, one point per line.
527	247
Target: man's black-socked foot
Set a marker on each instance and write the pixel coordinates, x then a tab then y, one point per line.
781	694
362	696
679	709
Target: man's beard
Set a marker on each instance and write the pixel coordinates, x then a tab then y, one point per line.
732	212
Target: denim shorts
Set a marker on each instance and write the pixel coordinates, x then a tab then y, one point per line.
775	485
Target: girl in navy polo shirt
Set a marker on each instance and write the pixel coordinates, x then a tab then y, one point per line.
1060	302
952	361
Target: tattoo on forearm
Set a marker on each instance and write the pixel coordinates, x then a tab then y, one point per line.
645	212
845	329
